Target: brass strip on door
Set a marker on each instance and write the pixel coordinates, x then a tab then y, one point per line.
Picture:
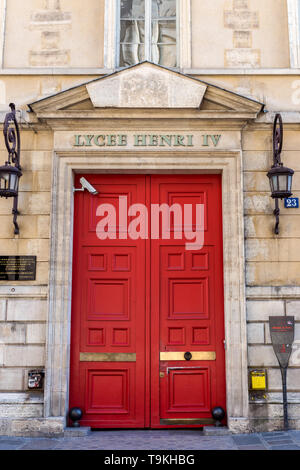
187	422
107	357
196	356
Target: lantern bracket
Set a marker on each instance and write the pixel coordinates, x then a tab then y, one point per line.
276	213
277	140
13	144
277	147
280	177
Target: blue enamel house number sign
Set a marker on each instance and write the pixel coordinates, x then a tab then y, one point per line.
291	203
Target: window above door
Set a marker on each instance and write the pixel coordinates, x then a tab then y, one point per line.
157	31
148	31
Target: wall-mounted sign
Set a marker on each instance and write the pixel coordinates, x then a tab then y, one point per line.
258	379
36	379
282	337
291	203
17	268
145	140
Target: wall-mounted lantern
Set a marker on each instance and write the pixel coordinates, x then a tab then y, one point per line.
10	173
280	177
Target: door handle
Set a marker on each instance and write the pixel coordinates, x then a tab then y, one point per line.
188	356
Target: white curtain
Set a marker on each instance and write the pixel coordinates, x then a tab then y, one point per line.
161	32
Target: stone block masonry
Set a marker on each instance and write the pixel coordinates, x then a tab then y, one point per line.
23	308
22	348
50	22
272	278
242	21
266	409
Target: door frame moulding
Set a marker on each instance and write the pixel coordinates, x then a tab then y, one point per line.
65	164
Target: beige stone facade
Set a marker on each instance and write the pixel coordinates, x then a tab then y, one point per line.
237	68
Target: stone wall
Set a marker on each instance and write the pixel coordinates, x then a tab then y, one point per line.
23	308
272	275
58	33
240	34
64	33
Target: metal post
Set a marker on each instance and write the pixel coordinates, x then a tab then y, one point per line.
282	330
15	213
277	147
284	394
277	213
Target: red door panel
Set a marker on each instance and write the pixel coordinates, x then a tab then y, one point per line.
187	308
139	305
108	321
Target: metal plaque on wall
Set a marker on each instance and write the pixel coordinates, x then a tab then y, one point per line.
17	268
282	337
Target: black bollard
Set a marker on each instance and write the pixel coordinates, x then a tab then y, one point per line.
75	415
218	414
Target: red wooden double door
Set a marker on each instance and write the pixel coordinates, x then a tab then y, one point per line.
147	336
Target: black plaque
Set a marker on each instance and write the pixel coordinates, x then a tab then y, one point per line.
17	268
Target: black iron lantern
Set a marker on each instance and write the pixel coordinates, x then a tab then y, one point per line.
10	173
9	180
280	177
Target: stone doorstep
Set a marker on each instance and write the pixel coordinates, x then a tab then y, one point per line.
55	427
216	431
77	432
32	427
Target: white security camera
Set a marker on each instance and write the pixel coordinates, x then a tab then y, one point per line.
86	185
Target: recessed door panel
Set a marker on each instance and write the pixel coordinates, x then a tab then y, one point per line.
188	391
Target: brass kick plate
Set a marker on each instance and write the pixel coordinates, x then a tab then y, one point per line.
186	422
196	356
107	357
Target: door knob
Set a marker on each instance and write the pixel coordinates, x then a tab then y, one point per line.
188	356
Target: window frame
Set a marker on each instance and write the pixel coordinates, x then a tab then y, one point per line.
111	42
294	32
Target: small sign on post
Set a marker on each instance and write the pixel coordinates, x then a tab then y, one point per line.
282	337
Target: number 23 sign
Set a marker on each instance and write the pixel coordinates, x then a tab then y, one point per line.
291	203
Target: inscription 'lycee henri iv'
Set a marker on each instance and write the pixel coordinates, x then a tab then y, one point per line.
144	140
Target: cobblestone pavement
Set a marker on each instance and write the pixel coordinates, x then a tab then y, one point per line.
157	440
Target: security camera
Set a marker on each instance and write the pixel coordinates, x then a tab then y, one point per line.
86	185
